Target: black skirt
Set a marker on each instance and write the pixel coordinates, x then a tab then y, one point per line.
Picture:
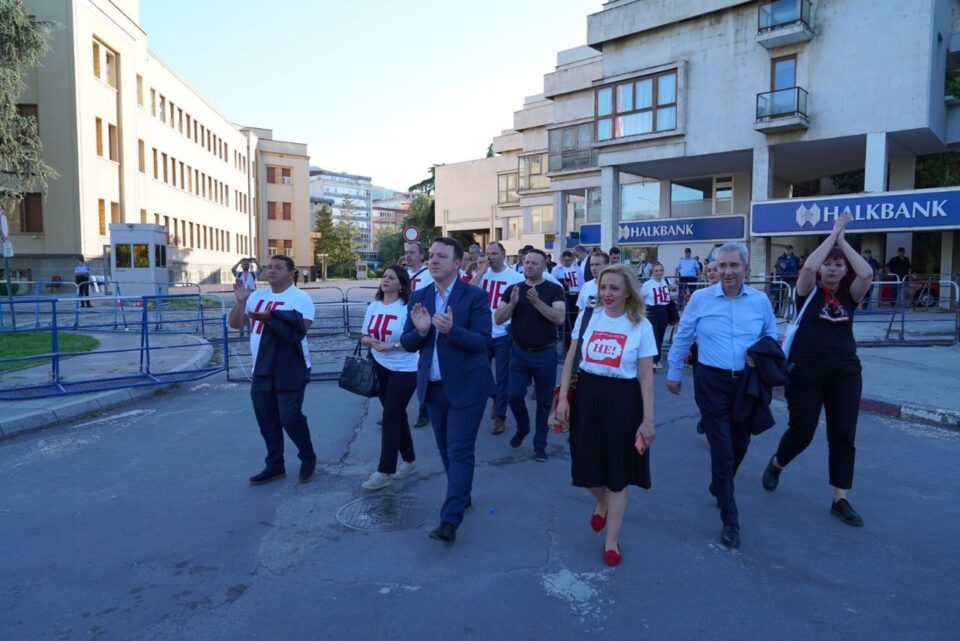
604	418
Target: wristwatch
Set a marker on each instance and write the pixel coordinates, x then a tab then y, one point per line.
396	346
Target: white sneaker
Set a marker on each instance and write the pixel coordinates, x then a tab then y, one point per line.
405	470
377	481
658	366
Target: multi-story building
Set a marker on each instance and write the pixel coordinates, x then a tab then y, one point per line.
388	213
351	195
133	143
285	185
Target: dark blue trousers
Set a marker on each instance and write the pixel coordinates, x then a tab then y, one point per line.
455	429
279	410
499	352
728	440
542	367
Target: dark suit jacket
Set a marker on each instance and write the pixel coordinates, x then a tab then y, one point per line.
280	363
752	403
464	366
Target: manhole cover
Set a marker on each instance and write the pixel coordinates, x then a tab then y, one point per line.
384	513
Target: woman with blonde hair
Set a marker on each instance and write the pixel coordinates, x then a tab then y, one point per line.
611	418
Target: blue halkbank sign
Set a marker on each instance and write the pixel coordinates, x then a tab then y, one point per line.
920	209
671	230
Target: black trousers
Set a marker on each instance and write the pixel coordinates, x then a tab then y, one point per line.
83	285
834	387
396	389
659	317
276	411
728	440
570	319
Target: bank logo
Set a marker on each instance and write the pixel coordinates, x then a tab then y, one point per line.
808	215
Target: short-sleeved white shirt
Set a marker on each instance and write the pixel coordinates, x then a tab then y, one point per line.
655	293
612	346
493	285
572	276
588	295
419	278
385	323
292	298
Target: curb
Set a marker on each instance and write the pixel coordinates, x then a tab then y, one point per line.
73	407
937	416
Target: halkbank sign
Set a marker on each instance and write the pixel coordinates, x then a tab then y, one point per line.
919	209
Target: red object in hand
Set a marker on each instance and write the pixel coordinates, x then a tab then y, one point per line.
640	443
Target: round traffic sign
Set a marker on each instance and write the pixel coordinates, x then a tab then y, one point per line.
4	226
411	234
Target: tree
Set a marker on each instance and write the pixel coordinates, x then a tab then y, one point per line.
348	209
23	42
421	215
938	170
323	226
426	185
389	245
490	151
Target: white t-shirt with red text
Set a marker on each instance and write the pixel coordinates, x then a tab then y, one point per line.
588	295
385	323
292	298
612	346
419	278
493	285
655	293
571	276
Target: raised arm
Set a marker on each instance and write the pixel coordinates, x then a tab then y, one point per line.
860	267
808	274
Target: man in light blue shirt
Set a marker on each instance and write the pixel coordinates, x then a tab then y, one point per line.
724	319
688	272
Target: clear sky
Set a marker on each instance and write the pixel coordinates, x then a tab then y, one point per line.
383	88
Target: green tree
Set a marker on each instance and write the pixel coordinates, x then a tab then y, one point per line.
348	209
490	151
323	228
23	42
389	245
421	215
938	170
426	185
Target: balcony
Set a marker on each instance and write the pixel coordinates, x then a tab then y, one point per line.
782	110
783	22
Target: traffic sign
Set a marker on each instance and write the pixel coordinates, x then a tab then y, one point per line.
411	233
4	226
7	249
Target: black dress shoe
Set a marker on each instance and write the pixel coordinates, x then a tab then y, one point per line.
845	512
268	475
700	429
730	536
771	476
518	437
446	533
422	420
307	470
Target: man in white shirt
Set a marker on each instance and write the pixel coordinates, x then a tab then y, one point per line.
570	275
247	274
419	278
278	317
494	279
588	293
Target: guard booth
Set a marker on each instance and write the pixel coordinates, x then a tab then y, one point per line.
138	258
361	270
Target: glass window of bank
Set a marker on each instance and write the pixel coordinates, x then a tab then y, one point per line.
640	201
706	196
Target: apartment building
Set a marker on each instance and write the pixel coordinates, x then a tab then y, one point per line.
389	212
133	143
351	195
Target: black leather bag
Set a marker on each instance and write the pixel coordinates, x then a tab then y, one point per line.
358	375
673	314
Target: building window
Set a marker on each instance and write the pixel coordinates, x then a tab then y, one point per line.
570	147
511	228
640	201
163	109
139	90
271	175
723	195
183	185
114	143
141	157
143	216
641	106
533	170
102	216
691	197
96	58
179	120
541	219
115	213
287	211
153	101
188	125
593	205
156	165
271	210
111	69
507	188
99	137
285	176
166	177
27	215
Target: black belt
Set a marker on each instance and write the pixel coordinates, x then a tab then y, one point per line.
538	348
727	373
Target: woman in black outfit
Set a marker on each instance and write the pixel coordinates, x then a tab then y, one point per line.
823	363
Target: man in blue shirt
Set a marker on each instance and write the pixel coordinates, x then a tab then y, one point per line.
688	272
724	319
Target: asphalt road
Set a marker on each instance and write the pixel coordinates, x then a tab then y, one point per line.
141	525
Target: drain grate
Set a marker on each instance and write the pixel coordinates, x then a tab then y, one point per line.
385	513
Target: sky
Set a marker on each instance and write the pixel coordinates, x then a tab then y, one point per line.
380	88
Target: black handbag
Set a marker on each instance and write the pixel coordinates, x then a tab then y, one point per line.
673	314
358	375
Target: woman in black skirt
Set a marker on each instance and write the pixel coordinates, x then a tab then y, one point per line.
824	367
611	418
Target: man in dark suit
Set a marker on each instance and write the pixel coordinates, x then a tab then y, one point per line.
449	324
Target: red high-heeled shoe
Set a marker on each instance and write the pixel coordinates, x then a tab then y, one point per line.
597	522
612	557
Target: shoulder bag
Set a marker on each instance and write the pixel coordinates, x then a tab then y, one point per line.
791	332
358	375
557	425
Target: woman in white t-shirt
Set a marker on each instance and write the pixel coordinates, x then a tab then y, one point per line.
397	372
611	420
656	298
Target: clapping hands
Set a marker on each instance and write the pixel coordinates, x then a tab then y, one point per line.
422	320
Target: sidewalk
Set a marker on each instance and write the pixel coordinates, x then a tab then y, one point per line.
17	417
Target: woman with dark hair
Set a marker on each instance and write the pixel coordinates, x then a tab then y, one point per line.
397	372
656	298
823	364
